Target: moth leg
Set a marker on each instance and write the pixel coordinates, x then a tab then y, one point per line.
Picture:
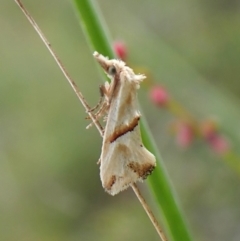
104	105
102	110
105	89
99	161
105	118
100	100
99	113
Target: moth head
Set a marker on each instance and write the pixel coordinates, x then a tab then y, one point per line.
113	67
110	67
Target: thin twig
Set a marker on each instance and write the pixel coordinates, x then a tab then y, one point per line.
88	110
59	63
149	212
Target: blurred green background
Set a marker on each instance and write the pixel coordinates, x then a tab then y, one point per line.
49	181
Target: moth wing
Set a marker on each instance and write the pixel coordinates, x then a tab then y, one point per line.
124	105
125	162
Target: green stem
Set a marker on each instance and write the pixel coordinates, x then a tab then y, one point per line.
95	30
94	27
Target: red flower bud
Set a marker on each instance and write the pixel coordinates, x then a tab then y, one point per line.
184	134
159	95
120	49
219	144
208	128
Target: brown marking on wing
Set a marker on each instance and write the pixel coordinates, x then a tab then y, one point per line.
121	130
110	183
143	170
121	148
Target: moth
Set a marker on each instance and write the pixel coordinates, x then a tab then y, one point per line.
124	160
